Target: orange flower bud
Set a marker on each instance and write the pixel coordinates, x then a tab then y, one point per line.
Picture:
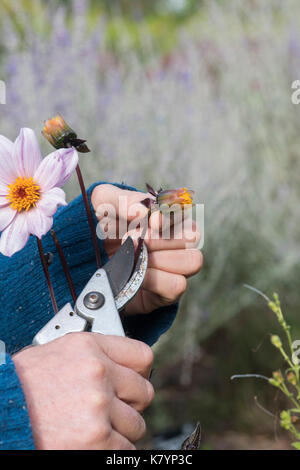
61	135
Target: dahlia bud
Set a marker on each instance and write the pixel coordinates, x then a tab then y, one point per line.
61	135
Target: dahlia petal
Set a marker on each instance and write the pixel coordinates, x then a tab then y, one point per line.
15	236
26	155
51	200
7	171
7	214
38	222
50	171
3	189
3	200
70	161
6	145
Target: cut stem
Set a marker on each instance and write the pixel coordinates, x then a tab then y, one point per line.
140	242
47	275
64	265
89	216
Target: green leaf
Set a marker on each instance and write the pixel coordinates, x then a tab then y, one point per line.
296	445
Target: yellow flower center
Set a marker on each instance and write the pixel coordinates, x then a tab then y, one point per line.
186	197
23	194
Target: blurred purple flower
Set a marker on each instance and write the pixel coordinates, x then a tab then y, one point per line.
294	45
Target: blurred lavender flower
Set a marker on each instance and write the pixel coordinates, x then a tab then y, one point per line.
215	115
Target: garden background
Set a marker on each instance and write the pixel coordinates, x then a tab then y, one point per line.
185	93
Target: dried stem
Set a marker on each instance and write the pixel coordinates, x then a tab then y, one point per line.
64	265
47	275
89	216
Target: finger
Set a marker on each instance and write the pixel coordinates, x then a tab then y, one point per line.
146	302
111	246
127	204
168	286
171	220
118	442
186	262
127	352
187	238
159	221
127	421
132	388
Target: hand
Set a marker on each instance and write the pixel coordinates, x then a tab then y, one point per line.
85	391
170	263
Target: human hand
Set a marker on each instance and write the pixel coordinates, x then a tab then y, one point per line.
170	262
86	391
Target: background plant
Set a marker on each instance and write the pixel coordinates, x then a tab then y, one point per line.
289	381
208	106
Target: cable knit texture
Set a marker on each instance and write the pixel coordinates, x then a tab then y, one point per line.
25	307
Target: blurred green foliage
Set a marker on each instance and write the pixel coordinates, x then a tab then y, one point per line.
160	19
139	9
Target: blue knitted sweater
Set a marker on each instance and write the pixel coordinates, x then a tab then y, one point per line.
25	307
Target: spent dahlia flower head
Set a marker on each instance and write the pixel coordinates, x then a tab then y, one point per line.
30	189
169	197
181	196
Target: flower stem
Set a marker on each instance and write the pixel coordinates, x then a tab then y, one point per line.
47	275
89	216
64	265
289	395
141	240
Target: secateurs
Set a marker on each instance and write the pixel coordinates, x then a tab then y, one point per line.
105	295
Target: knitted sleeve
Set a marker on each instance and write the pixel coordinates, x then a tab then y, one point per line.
25	307
15	428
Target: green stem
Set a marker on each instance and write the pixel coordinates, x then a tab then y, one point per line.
286	357
289	395
286	328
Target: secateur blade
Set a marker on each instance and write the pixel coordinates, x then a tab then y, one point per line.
119	268
136	280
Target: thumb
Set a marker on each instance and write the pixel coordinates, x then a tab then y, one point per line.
126	203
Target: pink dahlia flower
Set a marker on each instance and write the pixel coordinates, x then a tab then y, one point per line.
30	189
